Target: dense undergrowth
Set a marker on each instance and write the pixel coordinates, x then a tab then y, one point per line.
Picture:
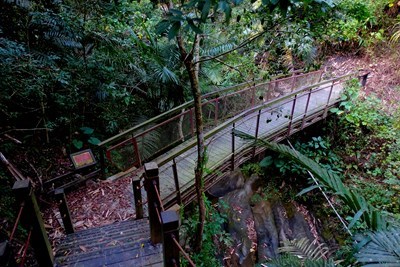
76	72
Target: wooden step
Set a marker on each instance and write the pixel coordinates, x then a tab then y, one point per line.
120	244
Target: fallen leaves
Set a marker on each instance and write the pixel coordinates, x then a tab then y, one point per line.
95	204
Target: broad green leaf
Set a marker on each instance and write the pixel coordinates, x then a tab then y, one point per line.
162	26
93	140
308	189
205	10
77	143
356	217
173	31
87	130
266	162
194	27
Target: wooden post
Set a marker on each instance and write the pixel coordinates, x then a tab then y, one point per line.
137	194
151	179
64	211
33	218
102	164
176	179
170	228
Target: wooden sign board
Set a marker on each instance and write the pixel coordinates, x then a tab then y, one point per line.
83	159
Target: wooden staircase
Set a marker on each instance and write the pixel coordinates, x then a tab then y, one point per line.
120	244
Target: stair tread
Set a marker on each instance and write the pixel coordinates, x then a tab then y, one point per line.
119	244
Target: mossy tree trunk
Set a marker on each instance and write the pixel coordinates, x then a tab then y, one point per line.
189	59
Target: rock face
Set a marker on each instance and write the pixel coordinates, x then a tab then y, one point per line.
233	181
241	224
259	228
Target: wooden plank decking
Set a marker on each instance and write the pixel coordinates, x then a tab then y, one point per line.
274	122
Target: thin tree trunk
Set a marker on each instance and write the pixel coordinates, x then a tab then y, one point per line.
192	69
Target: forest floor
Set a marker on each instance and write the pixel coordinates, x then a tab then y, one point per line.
104	202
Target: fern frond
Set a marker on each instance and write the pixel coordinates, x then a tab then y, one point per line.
305	249
217	50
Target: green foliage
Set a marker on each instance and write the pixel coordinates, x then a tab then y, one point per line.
85	137
251	168
380	248
364	115
305	250
358	205
6	197
215	239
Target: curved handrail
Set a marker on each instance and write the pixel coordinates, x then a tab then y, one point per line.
224	125
185	105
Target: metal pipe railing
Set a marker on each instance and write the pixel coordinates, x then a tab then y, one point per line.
16	221
178	113
184	254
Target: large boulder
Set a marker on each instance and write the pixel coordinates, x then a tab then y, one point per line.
229	183
267	234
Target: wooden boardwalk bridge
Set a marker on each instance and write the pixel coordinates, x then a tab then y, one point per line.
270	110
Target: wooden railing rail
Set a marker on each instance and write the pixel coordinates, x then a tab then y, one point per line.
164	224
30	217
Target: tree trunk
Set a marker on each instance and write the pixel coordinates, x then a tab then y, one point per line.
192	70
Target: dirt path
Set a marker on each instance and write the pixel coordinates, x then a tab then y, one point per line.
383	78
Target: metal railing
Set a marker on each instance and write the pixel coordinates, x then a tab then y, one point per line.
149	139
298	110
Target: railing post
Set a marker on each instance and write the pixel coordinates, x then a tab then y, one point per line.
64	211
363	79
306	110
176	179
293	83
170	228
33	218
137	194
151	179
320	76
191	122
216	112
329	98
256	134
233	149
291	115
102	164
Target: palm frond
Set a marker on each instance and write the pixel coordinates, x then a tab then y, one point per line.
164	74
381	248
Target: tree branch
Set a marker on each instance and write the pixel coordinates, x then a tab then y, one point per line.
244	43
22	130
